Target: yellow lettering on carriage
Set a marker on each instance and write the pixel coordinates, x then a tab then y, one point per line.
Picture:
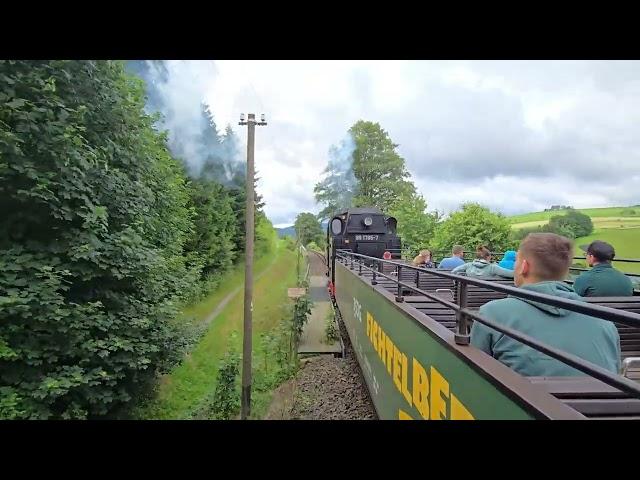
405	378
381	345
390	350
439	387
430	393
458	410
397	368
420	389
402	415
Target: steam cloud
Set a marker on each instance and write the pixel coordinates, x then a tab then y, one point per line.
177	89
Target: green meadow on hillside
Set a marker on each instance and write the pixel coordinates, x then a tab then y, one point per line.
592	212
620	226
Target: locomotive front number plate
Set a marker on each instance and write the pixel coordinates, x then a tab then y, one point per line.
367	237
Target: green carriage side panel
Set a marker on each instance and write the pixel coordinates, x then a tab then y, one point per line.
420	377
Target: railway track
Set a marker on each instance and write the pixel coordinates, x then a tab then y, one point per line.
336	386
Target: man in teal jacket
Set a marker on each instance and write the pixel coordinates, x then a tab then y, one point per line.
542	263
602	280
482	266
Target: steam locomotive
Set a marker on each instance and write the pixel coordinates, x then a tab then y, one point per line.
366	231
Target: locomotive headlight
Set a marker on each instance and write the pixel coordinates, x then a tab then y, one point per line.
368	221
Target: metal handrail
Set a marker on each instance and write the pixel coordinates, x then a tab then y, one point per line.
585	366
577	269
501	254
632	319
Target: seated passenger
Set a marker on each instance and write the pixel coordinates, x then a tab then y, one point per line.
542	263
423	259
602	280
482	266
455	260
508	260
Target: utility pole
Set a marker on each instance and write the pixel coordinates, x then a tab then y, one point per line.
248	268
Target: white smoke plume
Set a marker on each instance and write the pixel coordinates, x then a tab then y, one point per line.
177	89
339	177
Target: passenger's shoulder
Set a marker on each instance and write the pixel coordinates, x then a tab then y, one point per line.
610	328
502	305
581	278
584	275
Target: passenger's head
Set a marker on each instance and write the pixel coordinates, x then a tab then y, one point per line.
542	257
457	251
598	252
509	255
483	253
426	254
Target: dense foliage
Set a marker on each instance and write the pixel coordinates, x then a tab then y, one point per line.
368	171
474	225
103	236
573	224
416	227
308	229
226	400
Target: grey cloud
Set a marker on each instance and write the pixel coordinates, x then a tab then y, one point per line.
459	133
470	139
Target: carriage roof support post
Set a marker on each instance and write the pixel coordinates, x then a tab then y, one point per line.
462	336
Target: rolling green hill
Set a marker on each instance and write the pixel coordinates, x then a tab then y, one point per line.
592	212
620	226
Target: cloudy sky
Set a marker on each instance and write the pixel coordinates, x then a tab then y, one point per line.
516	136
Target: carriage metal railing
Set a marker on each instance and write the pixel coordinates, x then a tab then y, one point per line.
469	255
461	334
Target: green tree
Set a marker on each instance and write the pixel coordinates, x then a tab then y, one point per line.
308	228
416	227
95	218
573	223
364	170
266	236
523	232
211	247
238	195
232	157
380	171
474	225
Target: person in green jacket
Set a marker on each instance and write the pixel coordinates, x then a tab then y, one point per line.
482	266
602	280
542	263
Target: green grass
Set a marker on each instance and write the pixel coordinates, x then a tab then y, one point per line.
182	391
625	241
598	222
232	280
610	225
592	212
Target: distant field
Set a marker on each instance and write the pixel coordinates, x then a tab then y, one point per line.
625	241
592	212
598	222
610	224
